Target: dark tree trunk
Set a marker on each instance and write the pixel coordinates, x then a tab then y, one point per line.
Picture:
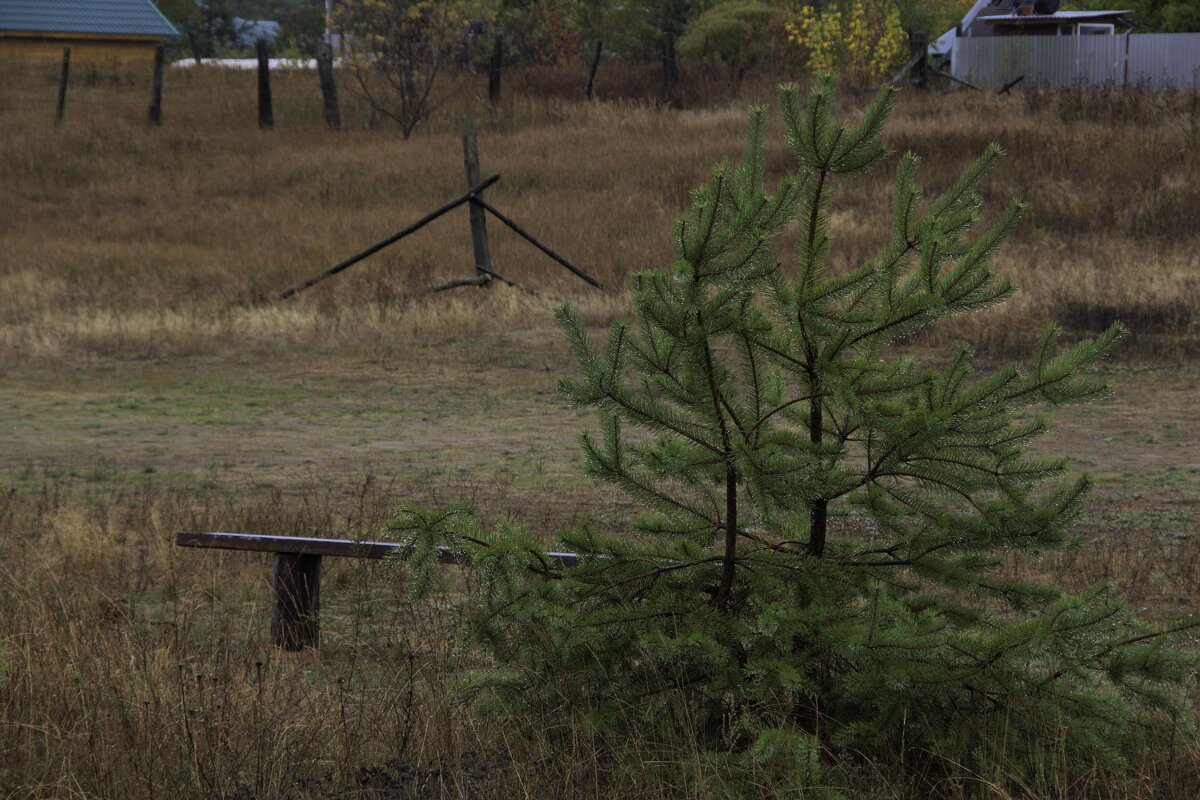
818	512
591	81
670	66
729	565
495	65
329	96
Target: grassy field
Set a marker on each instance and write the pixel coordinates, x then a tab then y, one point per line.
148	384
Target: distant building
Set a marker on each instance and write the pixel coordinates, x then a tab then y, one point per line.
97	31
1002	43
1029	18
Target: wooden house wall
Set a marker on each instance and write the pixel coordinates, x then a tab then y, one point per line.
98	49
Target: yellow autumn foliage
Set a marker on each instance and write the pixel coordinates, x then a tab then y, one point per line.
862	40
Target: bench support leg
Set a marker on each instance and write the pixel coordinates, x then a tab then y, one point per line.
296	601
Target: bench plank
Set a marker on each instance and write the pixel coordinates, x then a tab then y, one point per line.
345	548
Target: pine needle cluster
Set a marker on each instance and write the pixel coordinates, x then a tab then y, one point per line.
818	568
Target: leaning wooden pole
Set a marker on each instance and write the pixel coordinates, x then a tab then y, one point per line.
266	114
527	236
942	73
479	238
157	87
63	77
375	248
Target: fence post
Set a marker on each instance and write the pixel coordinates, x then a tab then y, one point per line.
494	66
296	601
266	115
591	81
670	65
63	77
156	89
333	114
479	239
918	42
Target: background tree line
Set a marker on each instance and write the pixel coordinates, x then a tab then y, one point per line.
736	33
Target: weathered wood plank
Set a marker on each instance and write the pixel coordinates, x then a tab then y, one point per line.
343	548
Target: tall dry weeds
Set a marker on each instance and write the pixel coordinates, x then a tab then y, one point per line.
119	239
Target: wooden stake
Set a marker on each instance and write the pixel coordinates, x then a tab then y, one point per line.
591	82
670	66
63	77
296	601
919	49
266	115
156	90
479	239
333	114
494	67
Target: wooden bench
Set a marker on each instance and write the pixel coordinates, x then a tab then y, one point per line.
296	574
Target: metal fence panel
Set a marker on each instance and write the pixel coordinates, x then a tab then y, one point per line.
1165	60
1151	60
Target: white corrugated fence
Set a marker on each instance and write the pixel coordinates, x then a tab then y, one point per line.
1140	60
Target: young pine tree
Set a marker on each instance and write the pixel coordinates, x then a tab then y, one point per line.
818	566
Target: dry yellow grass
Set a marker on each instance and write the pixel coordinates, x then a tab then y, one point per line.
151	385
124	240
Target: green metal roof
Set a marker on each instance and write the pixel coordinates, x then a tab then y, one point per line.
113	17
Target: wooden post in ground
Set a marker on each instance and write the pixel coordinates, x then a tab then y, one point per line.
669	65
156	89
918	42
333	114
494	66
479	238
296	601
591	82
266	115
63	77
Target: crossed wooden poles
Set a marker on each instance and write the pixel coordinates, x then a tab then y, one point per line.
474	196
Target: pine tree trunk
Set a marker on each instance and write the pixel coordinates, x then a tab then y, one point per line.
817	513
731	523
